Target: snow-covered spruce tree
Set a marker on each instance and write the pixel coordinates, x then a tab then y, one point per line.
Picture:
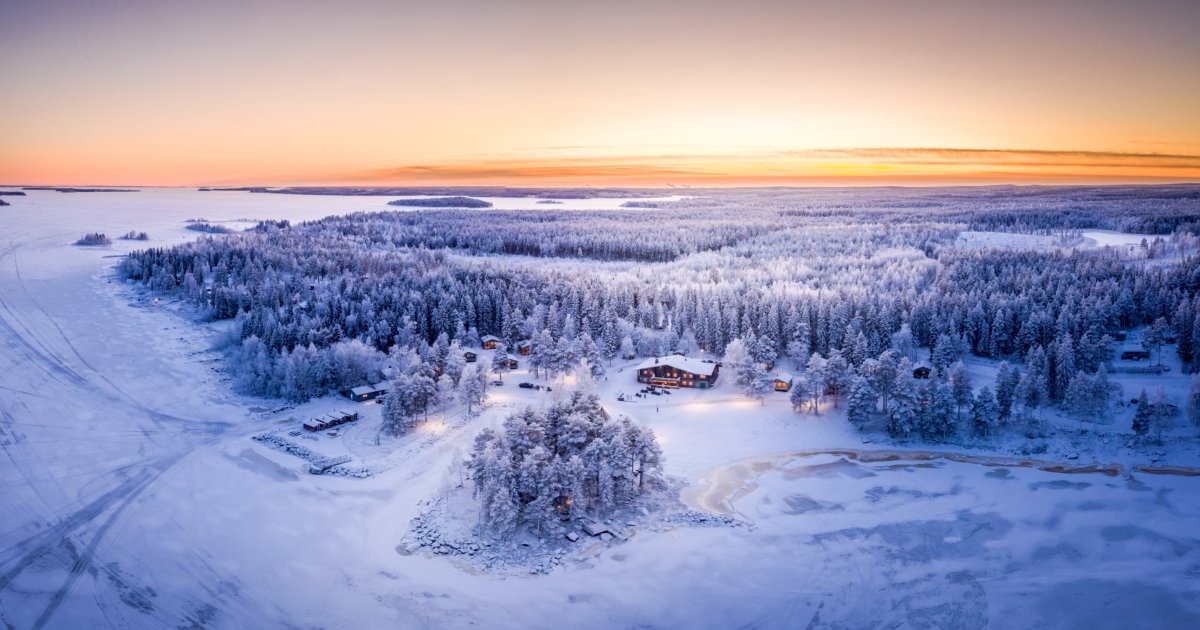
801	392
395	415
960	383
985	412
472	387
939	419
1007	380
837	375
1079	398
1193	399
1142	415
945	352
572	458
1033	389
906	406
739	361
881	373
1154	336
500	360
455	362
860	402
761	384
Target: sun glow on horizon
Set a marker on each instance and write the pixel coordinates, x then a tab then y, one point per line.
135	92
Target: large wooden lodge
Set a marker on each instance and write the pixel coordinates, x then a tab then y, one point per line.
678	371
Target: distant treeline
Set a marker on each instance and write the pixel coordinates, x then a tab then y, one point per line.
80	190
441	202
473	191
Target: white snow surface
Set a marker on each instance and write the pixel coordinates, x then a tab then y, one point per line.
132	494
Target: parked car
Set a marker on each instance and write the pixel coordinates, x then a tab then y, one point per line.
497	383
526	385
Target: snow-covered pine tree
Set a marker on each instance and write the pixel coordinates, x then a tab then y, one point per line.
939	420
960	384
837	375
906	406
1142	416
762	383
1193	398
500	360
860	401
472	387
985	412
454	362
1007	380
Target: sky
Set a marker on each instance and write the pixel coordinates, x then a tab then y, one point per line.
551	92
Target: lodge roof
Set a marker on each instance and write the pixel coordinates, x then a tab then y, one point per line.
680	362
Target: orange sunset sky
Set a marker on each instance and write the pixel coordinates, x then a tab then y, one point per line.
532	92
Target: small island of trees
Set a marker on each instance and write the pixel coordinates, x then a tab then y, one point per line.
442	202
93	238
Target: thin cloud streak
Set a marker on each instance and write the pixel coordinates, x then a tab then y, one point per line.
866	164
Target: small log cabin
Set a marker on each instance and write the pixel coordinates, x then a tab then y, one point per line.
678	371
783	381
524	347
490	342
471	357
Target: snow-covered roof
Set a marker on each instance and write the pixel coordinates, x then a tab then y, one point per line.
680	362
489	338
784	376
363	390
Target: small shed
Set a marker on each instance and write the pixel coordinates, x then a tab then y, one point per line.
922	371
524	347
512	364
783	381
490	342
471	357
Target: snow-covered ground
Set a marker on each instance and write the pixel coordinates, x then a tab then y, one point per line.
1086	239
133	495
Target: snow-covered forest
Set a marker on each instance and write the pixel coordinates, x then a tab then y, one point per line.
849	288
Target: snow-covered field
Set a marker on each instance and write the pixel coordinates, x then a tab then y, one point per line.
132	494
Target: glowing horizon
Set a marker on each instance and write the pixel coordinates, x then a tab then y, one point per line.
464	92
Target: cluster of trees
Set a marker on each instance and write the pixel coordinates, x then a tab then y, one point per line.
800	274
304	372
411	393
947	403
94	238
542	466
134	235
208	228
